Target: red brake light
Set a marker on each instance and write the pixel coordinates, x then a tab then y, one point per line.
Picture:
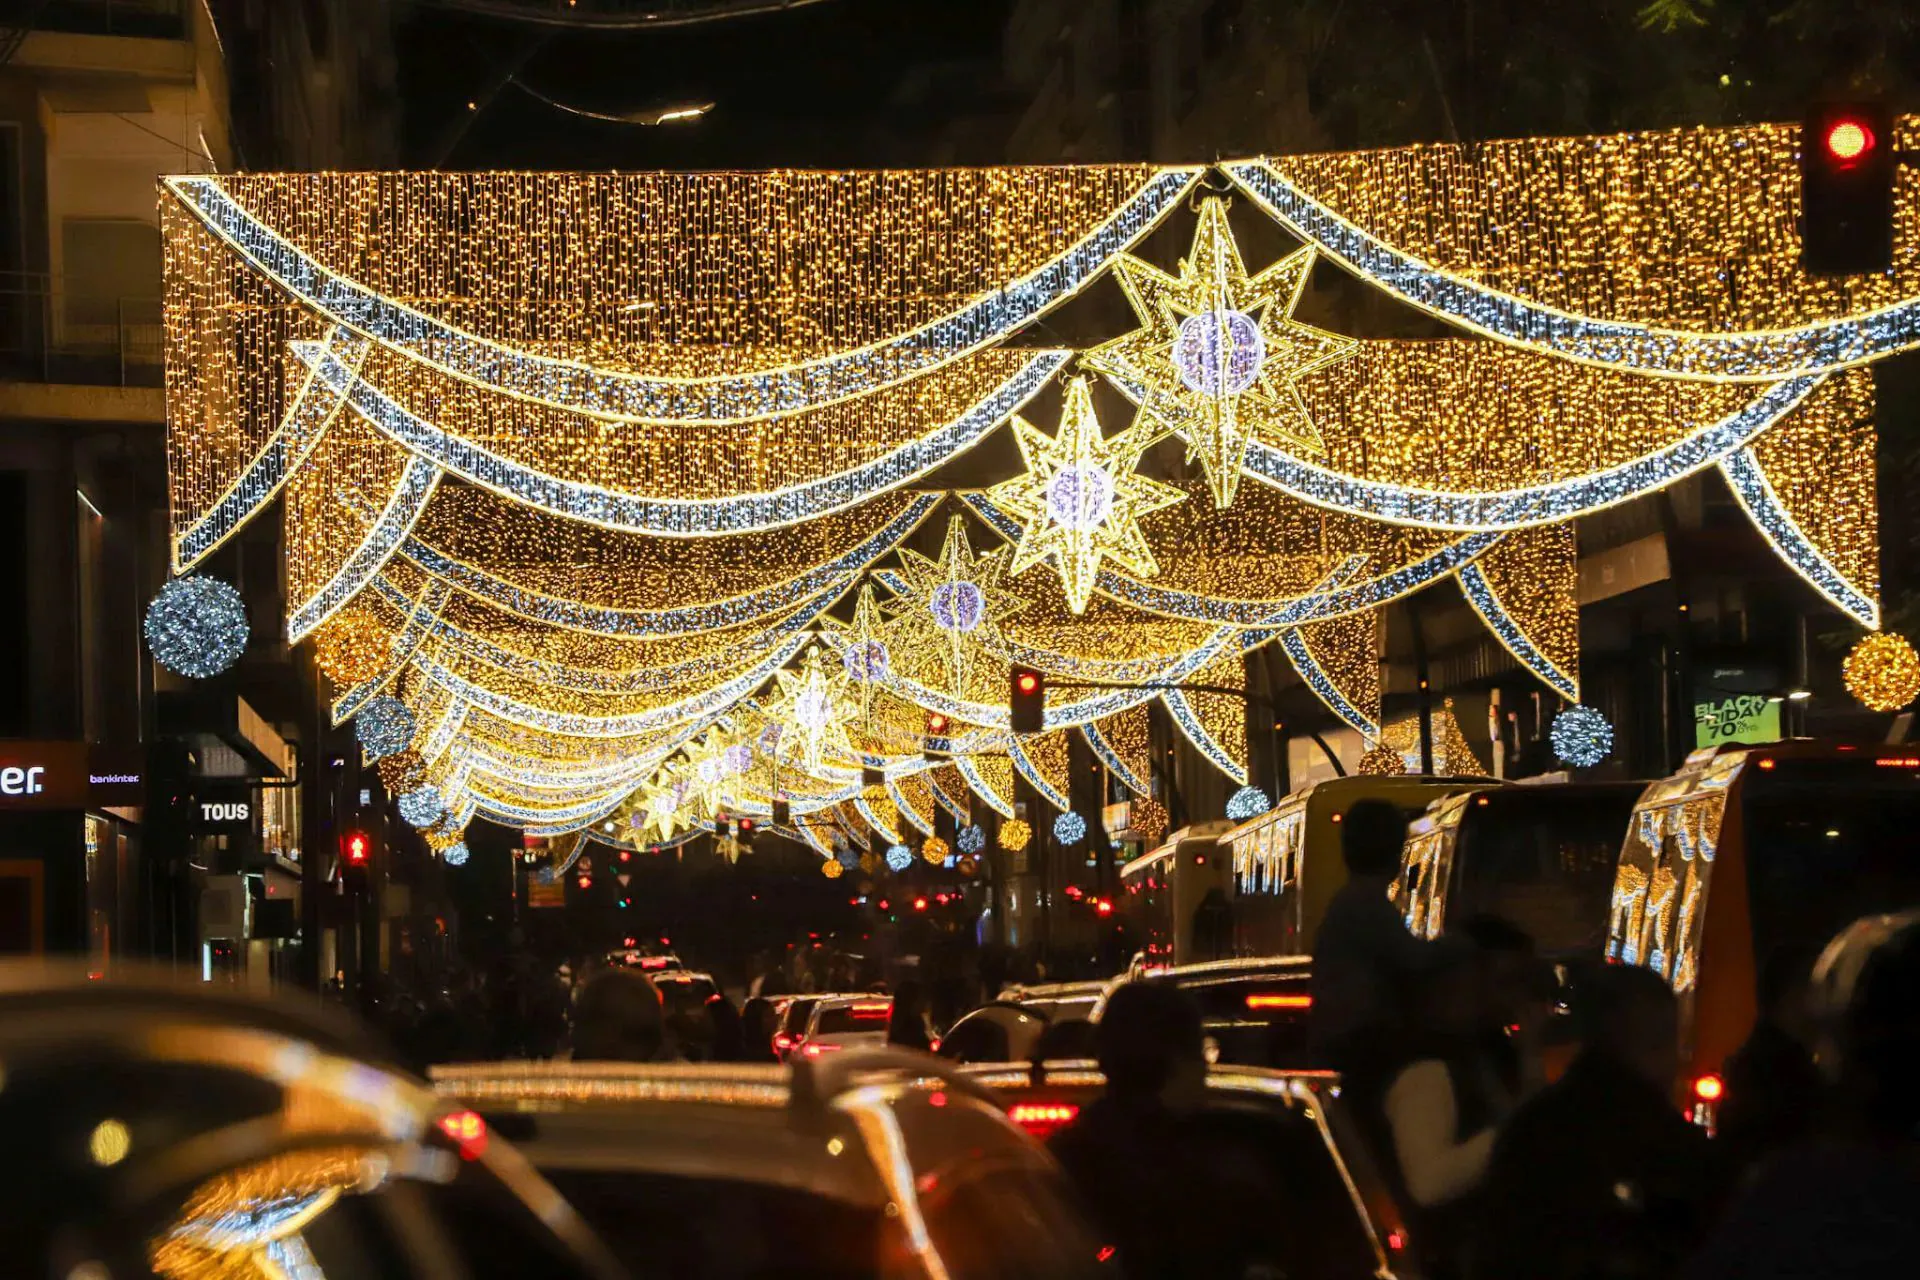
919	904
815	1049
1396	1240
1709	1088
783	1041
873	1009
1042	1117
1898	762
467	1131
1848	140
653	962
1279	1000
1766	764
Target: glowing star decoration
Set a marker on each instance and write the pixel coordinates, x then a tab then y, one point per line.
936	851
667	808
1581	736
1069	828
863	654
1247	802
953	606
899	857
1081	501
814	710
383	727
1219	352
971	839
1015	835
1882	671
197	627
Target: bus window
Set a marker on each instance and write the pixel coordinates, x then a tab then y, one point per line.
1545	863
1828	842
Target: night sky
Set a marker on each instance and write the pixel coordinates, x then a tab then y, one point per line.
818	86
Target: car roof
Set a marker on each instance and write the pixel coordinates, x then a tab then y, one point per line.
768	1124
1255	967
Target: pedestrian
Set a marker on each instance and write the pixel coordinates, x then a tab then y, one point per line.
1599	1174
729	1041
1217	1209
618	1017
758	1021
1435	1110
1844	1205
1770	1085
907	1019
1363	954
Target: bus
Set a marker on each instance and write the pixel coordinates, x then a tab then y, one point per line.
1752	850
1165	887
1286	864
1541	856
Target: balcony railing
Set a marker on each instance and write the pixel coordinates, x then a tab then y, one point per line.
54	329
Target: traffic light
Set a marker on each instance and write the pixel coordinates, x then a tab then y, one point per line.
1026	700
743	833
872	777
1846	189
938	724
354	848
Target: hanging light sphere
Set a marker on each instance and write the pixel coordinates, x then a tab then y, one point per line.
384	727
1581	736
400	772
1247	802
970	840
866	660
1069	827
831	868
869	864
899	857
847	856
1080	496
936	851
957	606
456	854
1882	671
422	806
354	646
1015	835
1218	353
196	627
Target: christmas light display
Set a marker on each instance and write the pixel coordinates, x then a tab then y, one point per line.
1882	671
831	869
612	487
455	854
970	840
936	851
1069	828
1581	736
1015	835
422	807
196	627
899	857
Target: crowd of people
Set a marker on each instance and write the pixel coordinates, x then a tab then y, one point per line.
1596	1175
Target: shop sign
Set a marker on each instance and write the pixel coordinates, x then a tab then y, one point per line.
42	775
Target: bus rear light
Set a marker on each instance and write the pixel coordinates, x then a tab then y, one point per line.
1279	1000
1042	1117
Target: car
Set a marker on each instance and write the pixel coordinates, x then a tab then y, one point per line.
794	1014
647	962
1338	1218
1052	1020
1254	1009
162	1128
839	1022
684	989
863	1163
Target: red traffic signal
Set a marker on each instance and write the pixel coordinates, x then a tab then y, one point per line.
1026	701
1846	189
937	724
353	848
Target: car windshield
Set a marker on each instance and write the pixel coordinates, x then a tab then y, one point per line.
1255	1020
799	1009
1544	861
867	1015
1828	842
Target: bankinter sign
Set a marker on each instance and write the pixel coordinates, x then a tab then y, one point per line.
43	775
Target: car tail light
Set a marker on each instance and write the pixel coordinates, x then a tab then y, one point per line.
467	1131
653	962
1396	1240
1709	1088
1042	1117
1898	762
1279	1000
782	1042
816	1049
872	1009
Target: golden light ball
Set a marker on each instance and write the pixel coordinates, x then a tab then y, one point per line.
935	851
1015	835
1883	671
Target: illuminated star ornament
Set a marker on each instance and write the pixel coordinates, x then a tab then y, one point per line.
863	654
1081	501
1219	352
666	805
955	604
814	709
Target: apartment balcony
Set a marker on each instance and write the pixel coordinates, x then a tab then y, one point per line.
68	352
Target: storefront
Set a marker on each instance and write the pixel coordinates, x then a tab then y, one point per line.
70	817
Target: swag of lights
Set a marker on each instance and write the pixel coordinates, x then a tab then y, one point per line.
607	495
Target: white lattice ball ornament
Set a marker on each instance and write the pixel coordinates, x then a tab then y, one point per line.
197	627
1219	353
1581	737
